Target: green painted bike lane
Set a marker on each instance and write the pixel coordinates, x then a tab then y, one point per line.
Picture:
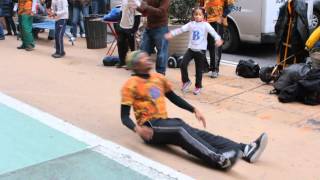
32	150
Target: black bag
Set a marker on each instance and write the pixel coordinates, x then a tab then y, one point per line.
291	75
248	69
110	60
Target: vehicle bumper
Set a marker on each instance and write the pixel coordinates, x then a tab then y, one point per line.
268	38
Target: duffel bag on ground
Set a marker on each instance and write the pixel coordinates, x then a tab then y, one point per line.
248	69
110	60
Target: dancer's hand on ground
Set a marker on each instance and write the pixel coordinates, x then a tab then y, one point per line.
200	117
145	132
168	36
219	43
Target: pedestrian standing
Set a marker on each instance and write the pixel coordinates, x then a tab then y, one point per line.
26	10
60	14
217	12
129	24
7	13
157	26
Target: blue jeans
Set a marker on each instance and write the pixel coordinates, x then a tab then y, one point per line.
60	28
95	6
1	31
76	17
155	38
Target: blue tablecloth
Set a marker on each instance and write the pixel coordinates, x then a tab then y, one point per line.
44	25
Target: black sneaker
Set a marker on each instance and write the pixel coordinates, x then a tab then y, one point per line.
253	151
29	48
56	55
228	159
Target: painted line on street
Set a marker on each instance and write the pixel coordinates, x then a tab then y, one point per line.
226	62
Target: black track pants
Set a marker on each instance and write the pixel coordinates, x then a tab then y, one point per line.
201	144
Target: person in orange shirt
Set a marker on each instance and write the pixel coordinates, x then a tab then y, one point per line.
217	12
26	10
146	92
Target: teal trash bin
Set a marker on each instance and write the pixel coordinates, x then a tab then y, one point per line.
95	32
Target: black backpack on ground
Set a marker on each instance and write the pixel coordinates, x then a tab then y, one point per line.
306	90
248	69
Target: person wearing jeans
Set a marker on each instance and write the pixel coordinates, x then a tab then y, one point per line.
1	33
157	26
7	7
60	14
147	93
79	7
95	7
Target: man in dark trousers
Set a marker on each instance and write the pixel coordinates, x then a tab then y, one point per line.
217	12
157	26
146	92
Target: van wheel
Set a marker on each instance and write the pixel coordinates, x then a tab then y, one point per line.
315	22
231	39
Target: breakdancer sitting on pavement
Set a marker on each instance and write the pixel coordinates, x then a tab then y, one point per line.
146	92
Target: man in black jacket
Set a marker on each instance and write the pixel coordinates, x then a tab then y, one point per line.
146	92
292	32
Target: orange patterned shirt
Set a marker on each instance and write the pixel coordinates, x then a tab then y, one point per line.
215	8
24	7
147	96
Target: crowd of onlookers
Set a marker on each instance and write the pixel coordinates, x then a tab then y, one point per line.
206	29
62	12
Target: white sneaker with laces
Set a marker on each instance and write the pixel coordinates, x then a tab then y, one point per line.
214	74
73	39
185	86
196	91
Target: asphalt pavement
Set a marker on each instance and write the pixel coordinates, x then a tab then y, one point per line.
263	54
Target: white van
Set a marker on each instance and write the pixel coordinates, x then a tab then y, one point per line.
254	20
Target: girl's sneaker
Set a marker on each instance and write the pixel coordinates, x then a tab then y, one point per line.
196	91
185	86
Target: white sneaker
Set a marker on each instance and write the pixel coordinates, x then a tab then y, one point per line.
214	74
185	86
72	39
82	35
196	91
